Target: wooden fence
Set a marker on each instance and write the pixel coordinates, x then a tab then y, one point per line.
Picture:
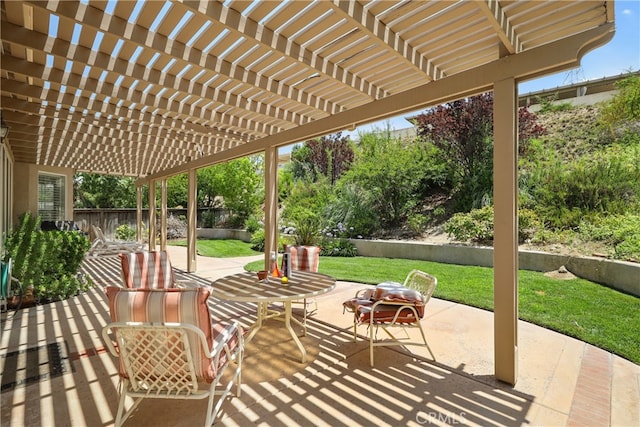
109	219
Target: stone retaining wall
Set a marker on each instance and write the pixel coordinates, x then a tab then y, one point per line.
624	276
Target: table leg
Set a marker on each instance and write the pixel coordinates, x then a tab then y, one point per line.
287	322
261	312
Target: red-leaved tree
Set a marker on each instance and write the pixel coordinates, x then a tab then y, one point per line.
330	156
463	130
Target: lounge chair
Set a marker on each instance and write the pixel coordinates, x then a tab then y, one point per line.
103	246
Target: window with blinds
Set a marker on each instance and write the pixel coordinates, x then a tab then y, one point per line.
51	197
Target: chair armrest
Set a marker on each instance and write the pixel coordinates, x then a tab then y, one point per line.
223	340
365	293
393	312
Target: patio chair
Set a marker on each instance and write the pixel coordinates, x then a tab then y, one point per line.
149	269
304	258
168	348
393	305
9	286
103	246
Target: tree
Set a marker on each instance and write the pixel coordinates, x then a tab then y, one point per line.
329	156
104	191
240	185
463	130
391	176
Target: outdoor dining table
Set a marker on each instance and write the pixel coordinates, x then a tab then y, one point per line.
245	287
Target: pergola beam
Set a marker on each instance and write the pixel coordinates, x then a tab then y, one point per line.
501	24
383	35
553	57
246	26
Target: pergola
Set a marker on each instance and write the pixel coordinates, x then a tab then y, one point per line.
153	89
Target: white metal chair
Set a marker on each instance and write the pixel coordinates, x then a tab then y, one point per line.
304	258
390	305
150	269
171	360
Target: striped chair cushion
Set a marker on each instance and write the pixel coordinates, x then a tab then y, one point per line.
304	258
170	305
147	270
386	313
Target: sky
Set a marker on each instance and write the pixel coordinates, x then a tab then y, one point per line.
620	55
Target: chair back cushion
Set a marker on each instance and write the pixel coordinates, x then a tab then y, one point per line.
304	258
147	269
173	305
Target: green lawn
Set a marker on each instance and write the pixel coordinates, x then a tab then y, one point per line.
593	313
220	248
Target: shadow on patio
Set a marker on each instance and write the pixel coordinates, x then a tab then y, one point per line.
56	372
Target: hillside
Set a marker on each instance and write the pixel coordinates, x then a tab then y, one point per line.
571	135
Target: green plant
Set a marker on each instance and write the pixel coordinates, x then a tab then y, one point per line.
549	104
306	224
125	232
331	246
47	262
623	108
257	240
335	241
477	225
620	232
607	181
417	223
209	218
253	224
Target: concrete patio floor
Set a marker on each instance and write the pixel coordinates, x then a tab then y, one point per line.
70	380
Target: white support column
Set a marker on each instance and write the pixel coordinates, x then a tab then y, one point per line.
192	218
152	215
139	223
505	244
163	214
271	203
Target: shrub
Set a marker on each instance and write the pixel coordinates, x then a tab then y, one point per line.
176	227
257	241
330	246
335	241
253	224
47	261
607	181
621	232
417	223
125	232
477	225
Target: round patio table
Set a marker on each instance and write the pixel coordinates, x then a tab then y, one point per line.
245	287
